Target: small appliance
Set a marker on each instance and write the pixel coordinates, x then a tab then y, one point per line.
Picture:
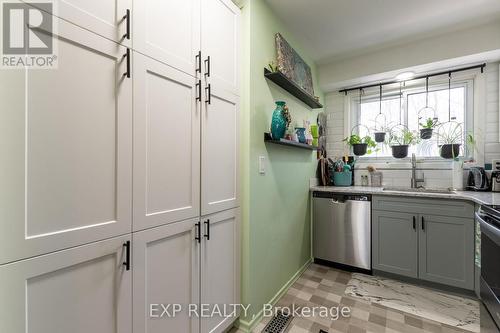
495	181
477	181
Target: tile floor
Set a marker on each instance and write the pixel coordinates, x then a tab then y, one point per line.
324	286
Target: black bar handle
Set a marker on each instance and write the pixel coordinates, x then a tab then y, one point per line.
127	55
207	66
414	223
209	90
198	62
197	235
127	22
423	223
207	234
127	255
198	89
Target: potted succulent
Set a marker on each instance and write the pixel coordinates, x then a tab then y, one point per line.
400	142
360	145
450	141
428	128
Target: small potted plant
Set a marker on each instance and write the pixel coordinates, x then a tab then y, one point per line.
450	141
360	145
400	142
428	128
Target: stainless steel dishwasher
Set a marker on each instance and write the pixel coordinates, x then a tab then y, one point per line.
342	230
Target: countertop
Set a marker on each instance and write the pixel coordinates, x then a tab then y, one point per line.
482	198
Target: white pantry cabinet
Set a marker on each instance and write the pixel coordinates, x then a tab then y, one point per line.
168	31
220	266
220	35
166	144
220	151
80	290
66	152
166	271
108	18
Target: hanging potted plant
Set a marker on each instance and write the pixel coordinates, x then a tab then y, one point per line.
450	140
400	142
360	145
380	129
428	128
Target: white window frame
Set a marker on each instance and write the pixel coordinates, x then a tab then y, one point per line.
467	83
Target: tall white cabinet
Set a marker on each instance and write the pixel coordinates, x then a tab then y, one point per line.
119	170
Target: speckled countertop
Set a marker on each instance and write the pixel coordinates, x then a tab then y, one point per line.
482	198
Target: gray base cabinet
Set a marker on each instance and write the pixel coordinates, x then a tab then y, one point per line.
431	240
395	247
446	250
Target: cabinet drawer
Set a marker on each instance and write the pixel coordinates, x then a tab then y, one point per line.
458	208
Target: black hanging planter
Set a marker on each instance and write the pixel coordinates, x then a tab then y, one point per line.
449	151
379	137
399	151
426	133
359	149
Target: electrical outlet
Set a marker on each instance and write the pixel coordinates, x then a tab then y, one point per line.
495	165
262	165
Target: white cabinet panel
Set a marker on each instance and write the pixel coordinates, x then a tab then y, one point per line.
103	17
220	270
166	271
80	290
168	31
66	153
220	153
220	40
166	144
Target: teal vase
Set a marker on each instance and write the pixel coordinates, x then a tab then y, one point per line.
278	123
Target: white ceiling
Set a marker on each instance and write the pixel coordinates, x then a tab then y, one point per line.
334	29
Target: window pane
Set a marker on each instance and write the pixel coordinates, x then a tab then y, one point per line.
438	102
369	117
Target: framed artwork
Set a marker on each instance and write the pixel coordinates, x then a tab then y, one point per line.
292	65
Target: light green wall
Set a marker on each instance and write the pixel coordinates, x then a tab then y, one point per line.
275	206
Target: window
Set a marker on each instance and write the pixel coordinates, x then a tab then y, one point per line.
407	111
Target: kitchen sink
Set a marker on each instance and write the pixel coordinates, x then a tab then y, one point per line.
420	190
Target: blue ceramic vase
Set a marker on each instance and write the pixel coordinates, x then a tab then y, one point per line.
278	122
301	134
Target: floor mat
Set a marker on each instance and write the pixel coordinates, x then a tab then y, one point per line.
453	310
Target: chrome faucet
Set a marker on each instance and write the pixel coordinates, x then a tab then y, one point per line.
414	179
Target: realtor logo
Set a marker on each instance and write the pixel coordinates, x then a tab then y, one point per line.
27	35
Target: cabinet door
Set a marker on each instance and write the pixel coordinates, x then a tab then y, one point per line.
168	31
66	152
166	271
166	144
220	153
80	290
103	17
447	250
220	270
394	243
220	40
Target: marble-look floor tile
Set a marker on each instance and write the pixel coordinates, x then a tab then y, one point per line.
448	309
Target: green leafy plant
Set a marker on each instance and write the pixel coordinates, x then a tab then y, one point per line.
430	123
355	139
272	66
403	138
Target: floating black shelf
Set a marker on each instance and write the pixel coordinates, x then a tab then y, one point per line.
290	143
281	80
